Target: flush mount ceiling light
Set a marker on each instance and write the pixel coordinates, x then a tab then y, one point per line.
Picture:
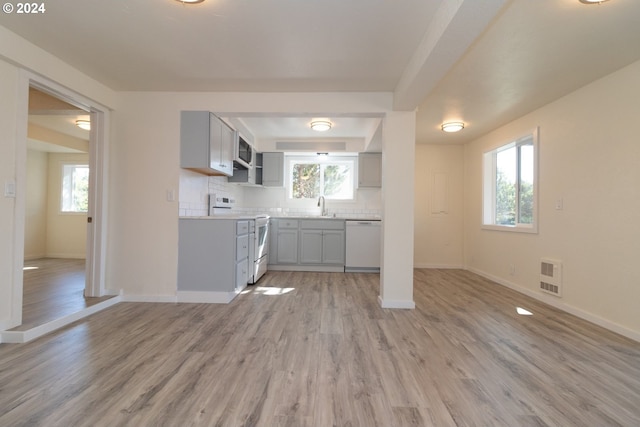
190	1
321	125
592	1
452	126
83	124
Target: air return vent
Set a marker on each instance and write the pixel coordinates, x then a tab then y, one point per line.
551	276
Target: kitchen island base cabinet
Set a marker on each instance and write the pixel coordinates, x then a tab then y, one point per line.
213	259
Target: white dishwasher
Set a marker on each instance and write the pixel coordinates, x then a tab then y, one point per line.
363	244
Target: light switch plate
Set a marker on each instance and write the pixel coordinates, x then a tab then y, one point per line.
10	189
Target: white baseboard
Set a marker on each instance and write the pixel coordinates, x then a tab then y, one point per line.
149	298
38	331
206	297
552	301
66	255
440	266
405	304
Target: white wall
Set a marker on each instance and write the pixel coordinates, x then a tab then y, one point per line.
439	206
589	158
9	274
35	233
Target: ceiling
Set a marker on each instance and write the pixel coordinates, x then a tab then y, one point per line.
484	63
52	124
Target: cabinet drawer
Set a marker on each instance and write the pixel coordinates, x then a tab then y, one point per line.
242	227
288	223
322	224
242	247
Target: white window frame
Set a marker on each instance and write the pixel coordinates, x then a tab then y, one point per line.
352	160
489	172
64	189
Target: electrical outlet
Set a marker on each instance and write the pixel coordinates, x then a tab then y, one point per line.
512	269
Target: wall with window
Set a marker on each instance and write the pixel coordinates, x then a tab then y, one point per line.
279	201
588	203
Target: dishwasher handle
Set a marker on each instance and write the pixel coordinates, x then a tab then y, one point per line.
375	223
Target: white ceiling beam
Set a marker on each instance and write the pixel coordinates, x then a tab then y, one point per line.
455	26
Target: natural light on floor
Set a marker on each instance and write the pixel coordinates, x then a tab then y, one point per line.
521	311
269	291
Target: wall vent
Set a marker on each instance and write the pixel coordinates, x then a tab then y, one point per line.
551	277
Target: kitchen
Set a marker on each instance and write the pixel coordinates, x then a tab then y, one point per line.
323	198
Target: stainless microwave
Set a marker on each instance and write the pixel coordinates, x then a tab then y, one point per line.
243	153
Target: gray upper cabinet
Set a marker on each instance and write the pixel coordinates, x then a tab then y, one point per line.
370	170
273	169
206	143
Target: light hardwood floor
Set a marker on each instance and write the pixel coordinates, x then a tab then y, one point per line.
53	288
316	349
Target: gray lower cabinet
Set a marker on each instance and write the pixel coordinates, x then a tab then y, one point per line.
213	259
311	246
322	247
333	244
286	242
307	244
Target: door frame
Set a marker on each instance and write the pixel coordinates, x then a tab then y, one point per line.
98	145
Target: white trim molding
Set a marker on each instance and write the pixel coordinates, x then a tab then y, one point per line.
38	331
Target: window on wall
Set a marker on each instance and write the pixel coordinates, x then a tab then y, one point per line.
75	188
315	176
510	185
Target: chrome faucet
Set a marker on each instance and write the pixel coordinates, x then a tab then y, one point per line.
323	211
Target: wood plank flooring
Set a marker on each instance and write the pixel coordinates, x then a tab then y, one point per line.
316	349
53	288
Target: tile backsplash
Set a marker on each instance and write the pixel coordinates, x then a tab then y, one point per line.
194	200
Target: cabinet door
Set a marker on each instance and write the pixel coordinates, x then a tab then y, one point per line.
227	144
370	170
273	241
273	169
242	274
215	133
333	247
311	246
287	252
242	247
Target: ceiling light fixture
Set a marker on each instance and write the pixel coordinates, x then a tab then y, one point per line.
190	1
321	125
452	126
83	124
592	1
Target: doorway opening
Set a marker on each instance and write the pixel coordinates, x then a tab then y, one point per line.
59	274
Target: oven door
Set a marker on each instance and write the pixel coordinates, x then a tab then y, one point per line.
261	247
